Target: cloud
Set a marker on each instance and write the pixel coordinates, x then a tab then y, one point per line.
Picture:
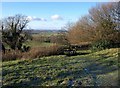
56	17
29	18
36	18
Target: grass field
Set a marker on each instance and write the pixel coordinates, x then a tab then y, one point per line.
38	44
98	68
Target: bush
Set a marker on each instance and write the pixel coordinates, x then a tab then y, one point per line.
12	55
37	52
34	52
69	52
101	45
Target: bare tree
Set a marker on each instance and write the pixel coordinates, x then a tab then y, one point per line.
102	23
81	31
12	31
106	20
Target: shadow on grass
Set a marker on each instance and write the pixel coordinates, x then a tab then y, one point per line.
33	82
94	69
99	69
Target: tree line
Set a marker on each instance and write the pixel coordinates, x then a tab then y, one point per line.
101	26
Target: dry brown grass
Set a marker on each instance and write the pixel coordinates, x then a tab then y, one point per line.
35	52
11	55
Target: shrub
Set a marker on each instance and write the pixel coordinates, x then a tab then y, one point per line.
12	55
69	52
101	44
37	52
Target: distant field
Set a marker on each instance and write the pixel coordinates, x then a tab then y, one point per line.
40	39
44	34
37	44
100	67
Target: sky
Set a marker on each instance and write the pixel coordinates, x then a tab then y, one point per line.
48	15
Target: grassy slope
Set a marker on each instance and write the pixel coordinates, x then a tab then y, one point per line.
56	70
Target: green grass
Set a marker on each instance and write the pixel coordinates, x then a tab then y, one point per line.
57	70
37	44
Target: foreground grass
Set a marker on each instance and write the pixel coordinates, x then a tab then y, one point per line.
99	68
